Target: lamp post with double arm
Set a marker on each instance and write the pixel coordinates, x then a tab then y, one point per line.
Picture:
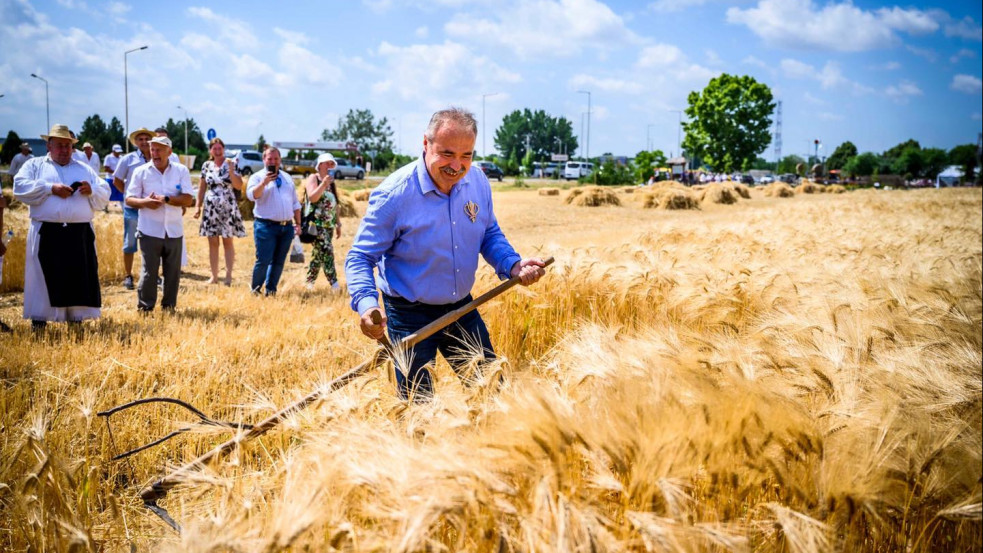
47	109
126	93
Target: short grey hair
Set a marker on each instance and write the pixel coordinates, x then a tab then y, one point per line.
460	116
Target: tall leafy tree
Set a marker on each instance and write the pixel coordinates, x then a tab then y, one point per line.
94	131
934	161
967	157
115	133
863	165
546	135
910	163
789	163
645	162
841	155
361	127
729	122
11	146
175	130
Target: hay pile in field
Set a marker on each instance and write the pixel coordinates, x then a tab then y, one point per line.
742	190
835	189
592	196
719	193
779	189
671	198
549	191
628	190
362	195
809	187
346	207
246	208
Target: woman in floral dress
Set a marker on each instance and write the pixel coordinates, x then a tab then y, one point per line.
323	197
218	208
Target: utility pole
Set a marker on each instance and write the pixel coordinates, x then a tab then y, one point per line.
648	137
47	110
185	129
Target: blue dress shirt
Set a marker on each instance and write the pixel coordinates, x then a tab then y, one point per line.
425	242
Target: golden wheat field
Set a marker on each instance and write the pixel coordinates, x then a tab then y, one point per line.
787	374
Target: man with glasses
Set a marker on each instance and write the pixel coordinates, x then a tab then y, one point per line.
277	221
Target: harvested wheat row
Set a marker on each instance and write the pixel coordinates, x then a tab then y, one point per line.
549	191
835	189
742	190
809	187
671	198
719	193
362	195
779	190
592	196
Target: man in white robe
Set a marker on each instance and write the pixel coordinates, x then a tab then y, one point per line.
61	273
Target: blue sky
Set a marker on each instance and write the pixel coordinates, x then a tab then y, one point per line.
873	73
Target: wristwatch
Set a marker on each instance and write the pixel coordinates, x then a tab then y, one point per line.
167	199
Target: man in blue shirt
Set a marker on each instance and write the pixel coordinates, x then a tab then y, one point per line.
424	228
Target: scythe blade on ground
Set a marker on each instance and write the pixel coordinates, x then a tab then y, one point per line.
158	490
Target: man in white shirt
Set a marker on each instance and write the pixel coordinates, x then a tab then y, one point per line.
61	273
277	220
121	180
160	189
91	158
18	161
161	131
112	160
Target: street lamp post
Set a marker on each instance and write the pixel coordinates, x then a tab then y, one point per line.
679	129
126	93
587	92
47	110
185	129
484	152
648	137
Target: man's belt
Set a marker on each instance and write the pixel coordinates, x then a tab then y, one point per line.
272	222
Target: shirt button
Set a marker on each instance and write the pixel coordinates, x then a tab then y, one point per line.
453	222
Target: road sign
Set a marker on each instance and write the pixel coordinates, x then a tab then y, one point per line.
559	157
211	134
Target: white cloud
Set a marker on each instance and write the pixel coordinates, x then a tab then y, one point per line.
659	55
573	27
829	77
902	91
421	32
962	53
814	100
840	27
926	53
453	73
307	67
118	9
887	66
582	81
966	83
827	116
294	37
234	32
712	57
965	28
751	60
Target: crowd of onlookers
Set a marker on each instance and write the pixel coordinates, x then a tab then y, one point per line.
63	190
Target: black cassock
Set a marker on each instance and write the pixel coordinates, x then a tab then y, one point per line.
67	254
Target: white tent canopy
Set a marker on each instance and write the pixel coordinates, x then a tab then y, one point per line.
950	177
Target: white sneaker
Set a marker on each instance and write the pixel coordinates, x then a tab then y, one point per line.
335	287
309	286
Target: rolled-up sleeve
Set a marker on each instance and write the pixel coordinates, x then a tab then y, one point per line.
28	186
375	236
251	187
100	191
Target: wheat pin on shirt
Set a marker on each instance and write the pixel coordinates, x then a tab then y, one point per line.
471	209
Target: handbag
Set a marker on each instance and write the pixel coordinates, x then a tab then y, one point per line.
308	231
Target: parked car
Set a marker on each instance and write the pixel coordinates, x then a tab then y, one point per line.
248	162
790	178
576	169
490	170
747	179
348	170
766	180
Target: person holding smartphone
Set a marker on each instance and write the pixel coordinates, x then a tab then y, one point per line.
276	221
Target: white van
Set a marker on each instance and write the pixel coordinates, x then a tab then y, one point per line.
576	169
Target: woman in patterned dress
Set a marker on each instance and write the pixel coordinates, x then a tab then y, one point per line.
218	209
323	196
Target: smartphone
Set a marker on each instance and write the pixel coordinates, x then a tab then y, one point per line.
271	169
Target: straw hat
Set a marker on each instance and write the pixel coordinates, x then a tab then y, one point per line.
59	131
142	130
86	145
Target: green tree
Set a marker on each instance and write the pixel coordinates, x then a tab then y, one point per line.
547	135
934	161
729	122
895	152
11	146
841	155
527	163
863	165
260	143
645	163
789	163
175	131
361	127
967	157
910	163
94	131
115	133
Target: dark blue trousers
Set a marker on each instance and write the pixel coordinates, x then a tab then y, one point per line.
455	342
272	246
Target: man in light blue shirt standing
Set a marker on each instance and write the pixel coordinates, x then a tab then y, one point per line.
276	221
424	228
